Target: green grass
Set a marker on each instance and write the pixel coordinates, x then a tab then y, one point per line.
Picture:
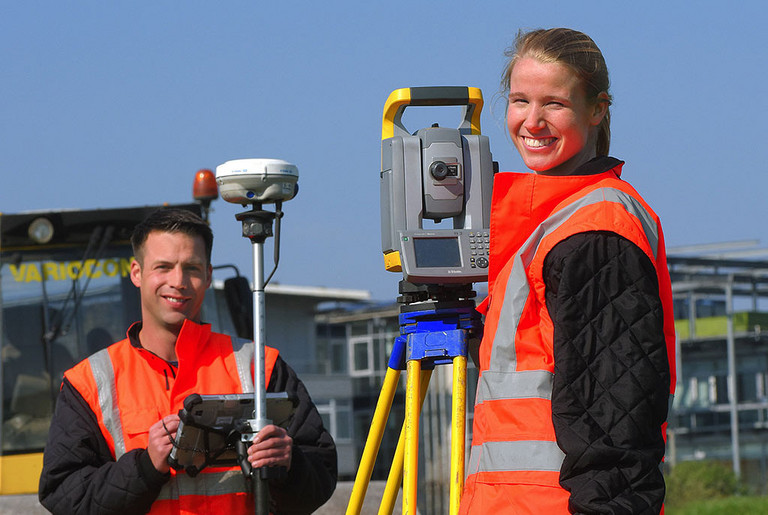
726	506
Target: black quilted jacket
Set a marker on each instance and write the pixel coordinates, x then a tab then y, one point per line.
81	477
611	383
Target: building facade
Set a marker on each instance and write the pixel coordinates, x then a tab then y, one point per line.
720	411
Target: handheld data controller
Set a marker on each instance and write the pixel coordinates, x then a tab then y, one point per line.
435	174
210	426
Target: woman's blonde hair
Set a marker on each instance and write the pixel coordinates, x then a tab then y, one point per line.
575	50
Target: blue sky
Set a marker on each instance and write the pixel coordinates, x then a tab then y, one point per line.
109	104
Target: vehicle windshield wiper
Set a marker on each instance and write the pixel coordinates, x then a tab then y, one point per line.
62	320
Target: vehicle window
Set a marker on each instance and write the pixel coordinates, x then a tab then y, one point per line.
56	310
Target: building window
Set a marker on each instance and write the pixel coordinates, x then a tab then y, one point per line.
337	417
343	421
721	389
359	328
748	386
338	351
361	356
331	349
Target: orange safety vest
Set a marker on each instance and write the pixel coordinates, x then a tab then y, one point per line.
128	390
515	462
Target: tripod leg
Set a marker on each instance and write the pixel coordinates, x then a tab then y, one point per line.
458	436
411	459
395	478
371	449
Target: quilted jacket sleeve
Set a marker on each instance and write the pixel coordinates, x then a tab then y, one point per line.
312	478
79	474
611	383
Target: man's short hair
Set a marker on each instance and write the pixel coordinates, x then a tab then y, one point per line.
172	220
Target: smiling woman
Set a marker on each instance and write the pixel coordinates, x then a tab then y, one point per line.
558	113
577	357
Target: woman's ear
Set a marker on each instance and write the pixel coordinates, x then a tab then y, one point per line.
600	108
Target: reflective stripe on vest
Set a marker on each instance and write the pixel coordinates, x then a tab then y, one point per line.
524	454
244	357
206	483
104	375
502	381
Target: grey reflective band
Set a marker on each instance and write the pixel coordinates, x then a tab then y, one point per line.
243	350
525	384
503	354
516	456
104	375
207	484
555	220
636	209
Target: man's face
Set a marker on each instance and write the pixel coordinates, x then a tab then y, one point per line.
172	276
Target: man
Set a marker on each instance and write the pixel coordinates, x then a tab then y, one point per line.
116	417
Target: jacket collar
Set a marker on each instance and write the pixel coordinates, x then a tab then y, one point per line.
191	336
598	165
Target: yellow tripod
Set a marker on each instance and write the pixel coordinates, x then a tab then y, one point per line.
434	174
435	336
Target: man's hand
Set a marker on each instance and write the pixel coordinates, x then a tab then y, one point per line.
161	436
272	447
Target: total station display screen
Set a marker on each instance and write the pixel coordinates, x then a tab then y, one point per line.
437	252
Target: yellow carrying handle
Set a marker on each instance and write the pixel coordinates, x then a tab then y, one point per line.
432	96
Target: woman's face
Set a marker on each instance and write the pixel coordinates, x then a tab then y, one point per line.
549	118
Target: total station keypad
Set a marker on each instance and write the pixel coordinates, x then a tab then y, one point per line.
479	246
